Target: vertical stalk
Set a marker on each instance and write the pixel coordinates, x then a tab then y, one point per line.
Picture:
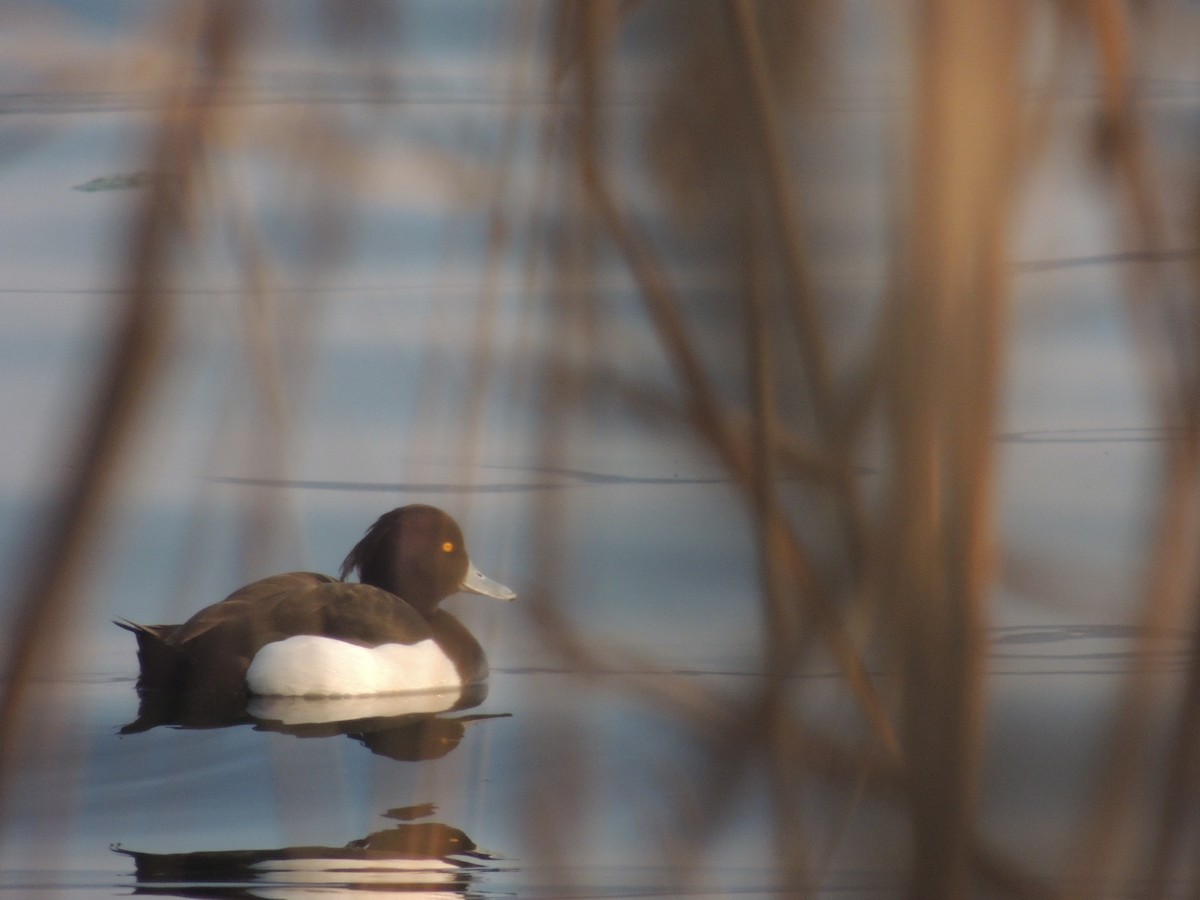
943	405
48	592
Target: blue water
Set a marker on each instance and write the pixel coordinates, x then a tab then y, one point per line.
601	769
556	784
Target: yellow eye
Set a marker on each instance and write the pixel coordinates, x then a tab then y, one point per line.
448	547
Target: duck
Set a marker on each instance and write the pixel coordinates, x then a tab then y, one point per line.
306	634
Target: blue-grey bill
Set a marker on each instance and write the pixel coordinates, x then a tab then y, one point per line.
476	582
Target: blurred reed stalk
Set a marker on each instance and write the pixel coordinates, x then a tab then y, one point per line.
927	564
942	400
1164	313
44	602
942	372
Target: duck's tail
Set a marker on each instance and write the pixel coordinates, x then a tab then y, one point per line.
161	662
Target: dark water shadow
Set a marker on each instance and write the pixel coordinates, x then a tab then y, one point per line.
1087	649
536	478
1130	435
568	479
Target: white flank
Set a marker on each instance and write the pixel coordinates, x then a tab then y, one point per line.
311	666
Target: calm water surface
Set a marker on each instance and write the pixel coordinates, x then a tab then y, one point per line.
322	799
655	553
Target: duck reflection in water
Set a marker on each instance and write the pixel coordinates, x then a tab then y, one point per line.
408	857
398	727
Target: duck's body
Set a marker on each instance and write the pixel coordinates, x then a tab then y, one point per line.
306	634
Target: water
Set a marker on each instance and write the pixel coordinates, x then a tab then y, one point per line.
290	802
553	784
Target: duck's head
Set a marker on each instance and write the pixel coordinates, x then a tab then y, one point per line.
417	553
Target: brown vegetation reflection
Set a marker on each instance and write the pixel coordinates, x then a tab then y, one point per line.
892	583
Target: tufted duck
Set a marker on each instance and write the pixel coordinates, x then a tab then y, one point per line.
305	634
